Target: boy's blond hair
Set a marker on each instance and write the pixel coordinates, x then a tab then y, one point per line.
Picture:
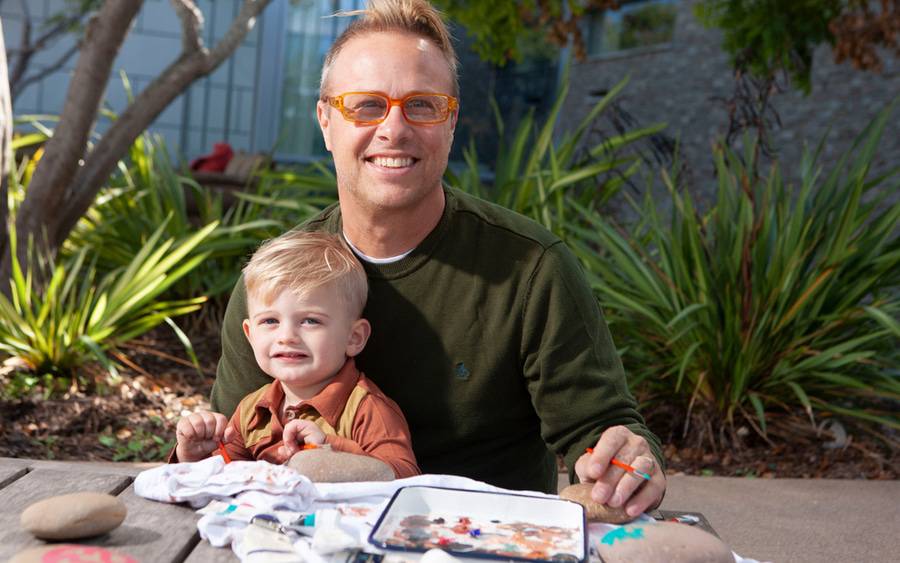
302	261
417	17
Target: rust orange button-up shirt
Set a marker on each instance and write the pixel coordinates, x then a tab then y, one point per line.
378	428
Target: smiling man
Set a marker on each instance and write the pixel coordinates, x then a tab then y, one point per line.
484	329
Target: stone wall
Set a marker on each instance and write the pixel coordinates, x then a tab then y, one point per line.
679	82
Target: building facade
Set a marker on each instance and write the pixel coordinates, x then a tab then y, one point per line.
262	99
681	77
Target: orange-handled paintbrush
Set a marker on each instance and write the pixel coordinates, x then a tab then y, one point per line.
625	466
224	452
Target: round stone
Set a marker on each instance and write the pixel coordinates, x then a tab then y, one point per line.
594	511
327	466
663	542
73	516
68	552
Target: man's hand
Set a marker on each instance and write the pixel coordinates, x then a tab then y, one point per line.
199	435
614	486
299	432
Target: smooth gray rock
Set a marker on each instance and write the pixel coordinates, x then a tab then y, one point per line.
663	542
327	466
73	516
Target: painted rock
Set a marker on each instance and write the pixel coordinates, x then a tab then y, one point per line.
665	542
73	516
70	554
594	511
327	466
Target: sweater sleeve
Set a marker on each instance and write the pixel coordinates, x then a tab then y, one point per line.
573	372
380	430
237	374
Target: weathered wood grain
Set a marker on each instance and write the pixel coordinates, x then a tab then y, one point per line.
153	531
117	467
11	472
40	484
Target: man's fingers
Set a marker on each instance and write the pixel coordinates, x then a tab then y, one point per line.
647	497
618	442
629	482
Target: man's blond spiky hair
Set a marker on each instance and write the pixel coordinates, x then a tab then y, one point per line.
301	261
417	17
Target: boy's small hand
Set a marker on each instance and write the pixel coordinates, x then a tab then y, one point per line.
199	435
299	432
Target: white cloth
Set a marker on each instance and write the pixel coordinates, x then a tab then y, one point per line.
345	513
258	483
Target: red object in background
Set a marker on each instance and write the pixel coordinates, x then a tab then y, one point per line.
216	161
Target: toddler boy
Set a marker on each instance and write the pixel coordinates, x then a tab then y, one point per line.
305	296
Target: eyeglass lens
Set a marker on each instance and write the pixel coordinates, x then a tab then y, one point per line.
419	108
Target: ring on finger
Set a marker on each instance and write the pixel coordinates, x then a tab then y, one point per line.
640	462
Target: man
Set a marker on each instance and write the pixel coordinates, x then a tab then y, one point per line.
484	330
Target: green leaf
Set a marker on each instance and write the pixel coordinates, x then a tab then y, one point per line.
760	410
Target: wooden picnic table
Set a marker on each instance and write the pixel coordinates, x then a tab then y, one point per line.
152	531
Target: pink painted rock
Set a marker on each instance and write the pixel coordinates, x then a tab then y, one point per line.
594	511
73	516
68	553
323	465
663	542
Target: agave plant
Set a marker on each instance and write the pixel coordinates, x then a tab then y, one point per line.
73	318
536	174
775	298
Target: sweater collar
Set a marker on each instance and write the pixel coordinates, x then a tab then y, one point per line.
418	256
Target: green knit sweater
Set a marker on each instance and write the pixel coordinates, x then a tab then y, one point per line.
490	340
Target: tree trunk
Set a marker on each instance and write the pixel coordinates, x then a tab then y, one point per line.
46	194
61	191
6	118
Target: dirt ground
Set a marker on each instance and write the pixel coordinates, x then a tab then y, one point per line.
134	420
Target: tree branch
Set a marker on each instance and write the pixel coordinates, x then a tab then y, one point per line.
191	25
193	63
25	52
20	85
6	155
242	24
103	37
18	82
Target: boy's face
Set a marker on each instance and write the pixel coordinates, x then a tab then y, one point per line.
303	341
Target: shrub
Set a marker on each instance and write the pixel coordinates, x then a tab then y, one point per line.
775	298
56	328
538	182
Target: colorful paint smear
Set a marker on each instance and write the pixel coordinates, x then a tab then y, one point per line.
622	534
468	535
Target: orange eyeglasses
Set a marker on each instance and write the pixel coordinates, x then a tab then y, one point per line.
371	108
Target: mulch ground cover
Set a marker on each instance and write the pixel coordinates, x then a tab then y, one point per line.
133	419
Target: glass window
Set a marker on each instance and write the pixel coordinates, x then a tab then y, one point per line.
641	23
308	35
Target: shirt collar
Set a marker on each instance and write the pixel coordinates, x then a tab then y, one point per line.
330	401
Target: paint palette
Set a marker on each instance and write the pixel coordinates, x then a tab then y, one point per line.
482	525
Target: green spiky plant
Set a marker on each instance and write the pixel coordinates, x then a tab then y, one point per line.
540	170
56	329
148	189
777	298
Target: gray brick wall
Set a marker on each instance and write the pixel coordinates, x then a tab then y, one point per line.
677	83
